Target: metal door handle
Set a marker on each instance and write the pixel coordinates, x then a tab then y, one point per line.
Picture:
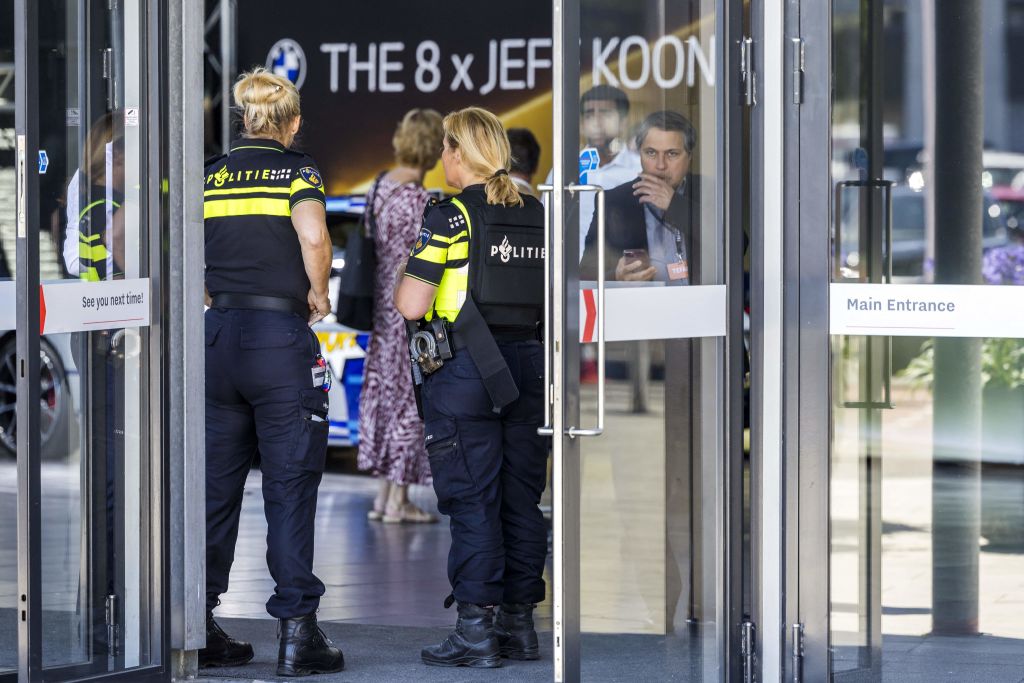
883	351
546	429
867	259
21	182
598	430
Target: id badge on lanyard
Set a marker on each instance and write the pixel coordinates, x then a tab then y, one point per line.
680	269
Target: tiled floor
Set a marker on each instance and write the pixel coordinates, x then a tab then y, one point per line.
375	573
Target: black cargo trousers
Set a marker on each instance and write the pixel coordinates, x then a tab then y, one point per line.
260	397
489	472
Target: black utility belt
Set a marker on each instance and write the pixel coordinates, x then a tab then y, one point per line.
261	303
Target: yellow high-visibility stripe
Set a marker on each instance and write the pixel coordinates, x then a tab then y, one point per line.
273	149
451	293
246	190
89	274
450	240
300	184
95	253
432	254
222	208
88	238
465	214
458	251
95	204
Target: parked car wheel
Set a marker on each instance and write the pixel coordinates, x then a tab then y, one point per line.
54	400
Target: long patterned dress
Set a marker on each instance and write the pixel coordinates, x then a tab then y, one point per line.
390	430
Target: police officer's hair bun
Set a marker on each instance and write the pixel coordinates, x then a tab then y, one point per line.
481	138
268	103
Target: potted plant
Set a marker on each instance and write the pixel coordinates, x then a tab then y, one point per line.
1002	374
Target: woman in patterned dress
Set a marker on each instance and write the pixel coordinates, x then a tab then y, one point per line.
390	430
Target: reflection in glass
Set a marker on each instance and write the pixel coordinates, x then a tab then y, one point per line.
650	544
927	456
95	542
8	379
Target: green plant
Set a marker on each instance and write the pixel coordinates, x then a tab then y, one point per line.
1002	364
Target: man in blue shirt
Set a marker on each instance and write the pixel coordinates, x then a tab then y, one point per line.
653	221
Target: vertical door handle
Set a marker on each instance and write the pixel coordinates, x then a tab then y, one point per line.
881	252
546	429
21	180
598	430
867	259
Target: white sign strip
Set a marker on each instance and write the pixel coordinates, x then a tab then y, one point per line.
653	312
8	305
926	310
76	306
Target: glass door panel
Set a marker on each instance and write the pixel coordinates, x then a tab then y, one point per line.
927	462
8	353
652	518
99	592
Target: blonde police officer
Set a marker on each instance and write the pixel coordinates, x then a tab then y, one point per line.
268	258
478	266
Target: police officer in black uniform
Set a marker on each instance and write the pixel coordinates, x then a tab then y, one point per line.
268	258
475	281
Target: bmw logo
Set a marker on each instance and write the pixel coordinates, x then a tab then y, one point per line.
287	59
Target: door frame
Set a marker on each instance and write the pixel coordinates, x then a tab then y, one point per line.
802	120
721	361
153	574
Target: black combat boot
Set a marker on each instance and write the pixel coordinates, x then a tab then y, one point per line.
305	650
513	625
221	649
472	643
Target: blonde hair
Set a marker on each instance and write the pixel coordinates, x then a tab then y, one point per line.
417	140
269	103
94	160
485	151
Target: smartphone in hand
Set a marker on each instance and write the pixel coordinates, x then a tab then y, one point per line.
631	256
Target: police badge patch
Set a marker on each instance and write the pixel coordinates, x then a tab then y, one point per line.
311	176
422	241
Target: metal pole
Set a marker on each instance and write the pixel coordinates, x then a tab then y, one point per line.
956	483
184	330
227	69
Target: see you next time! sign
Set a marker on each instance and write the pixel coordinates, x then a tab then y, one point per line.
926	310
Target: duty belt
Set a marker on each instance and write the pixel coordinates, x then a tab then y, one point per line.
261	303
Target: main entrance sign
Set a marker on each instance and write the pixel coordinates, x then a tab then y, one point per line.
926	310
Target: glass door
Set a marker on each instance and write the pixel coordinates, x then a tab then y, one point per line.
645	341
919	574
89	503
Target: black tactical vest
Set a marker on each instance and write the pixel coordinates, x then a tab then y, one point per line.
506	261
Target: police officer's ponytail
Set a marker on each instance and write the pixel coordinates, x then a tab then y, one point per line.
485	151
269	104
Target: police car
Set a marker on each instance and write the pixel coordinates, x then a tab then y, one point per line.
344	349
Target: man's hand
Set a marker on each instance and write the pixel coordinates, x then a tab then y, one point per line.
319	306
650	189
634	271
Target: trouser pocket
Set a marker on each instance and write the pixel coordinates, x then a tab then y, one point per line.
311	443
452	479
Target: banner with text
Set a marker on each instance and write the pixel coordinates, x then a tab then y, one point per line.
76	306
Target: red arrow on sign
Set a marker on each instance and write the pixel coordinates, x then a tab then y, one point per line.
42	310
590	322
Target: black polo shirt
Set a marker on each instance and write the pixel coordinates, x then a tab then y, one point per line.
251	244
